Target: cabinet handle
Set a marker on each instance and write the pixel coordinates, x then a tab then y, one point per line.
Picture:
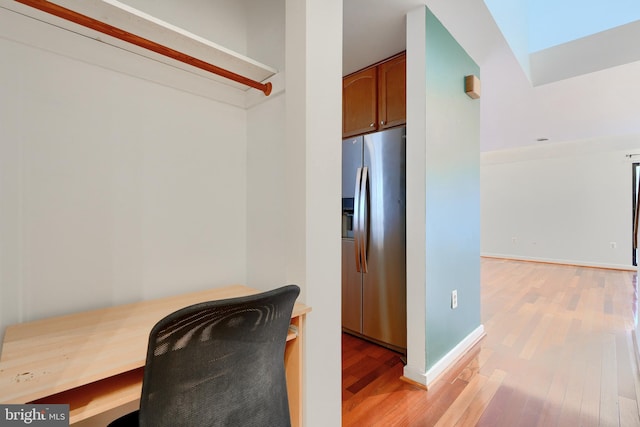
371	125
382	122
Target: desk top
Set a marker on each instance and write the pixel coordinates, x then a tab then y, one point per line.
52	355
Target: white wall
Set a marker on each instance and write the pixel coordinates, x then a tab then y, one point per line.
416	194
265	30
222	21
266	154
114	188
564	202
266	196
511	17
313	167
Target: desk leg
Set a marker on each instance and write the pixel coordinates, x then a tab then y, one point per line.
293	367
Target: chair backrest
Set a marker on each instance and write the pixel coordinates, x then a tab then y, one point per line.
220	363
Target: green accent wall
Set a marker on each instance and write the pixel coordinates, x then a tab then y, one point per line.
452	194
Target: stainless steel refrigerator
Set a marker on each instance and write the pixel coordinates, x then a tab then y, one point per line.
374	237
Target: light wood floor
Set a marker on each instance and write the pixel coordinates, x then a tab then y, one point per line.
558	352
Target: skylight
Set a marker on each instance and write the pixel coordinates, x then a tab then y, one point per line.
559	39
553	22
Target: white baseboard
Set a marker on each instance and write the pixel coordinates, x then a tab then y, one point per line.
427	378
561	261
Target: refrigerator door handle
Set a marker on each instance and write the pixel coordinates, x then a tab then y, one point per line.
364	218
356	218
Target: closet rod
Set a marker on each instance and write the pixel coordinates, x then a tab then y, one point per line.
126	36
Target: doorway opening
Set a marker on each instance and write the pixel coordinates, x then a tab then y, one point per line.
636	207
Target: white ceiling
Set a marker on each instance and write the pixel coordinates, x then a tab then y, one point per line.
579	100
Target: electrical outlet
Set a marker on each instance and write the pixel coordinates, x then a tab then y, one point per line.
454	299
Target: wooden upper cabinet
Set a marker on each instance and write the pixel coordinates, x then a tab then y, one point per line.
375	98
359	102
392	92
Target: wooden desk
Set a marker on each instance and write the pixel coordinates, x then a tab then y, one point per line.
94	360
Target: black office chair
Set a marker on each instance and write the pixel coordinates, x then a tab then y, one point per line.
218	363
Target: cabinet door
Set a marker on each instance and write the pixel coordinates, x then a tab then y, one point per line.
392	92
359	102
